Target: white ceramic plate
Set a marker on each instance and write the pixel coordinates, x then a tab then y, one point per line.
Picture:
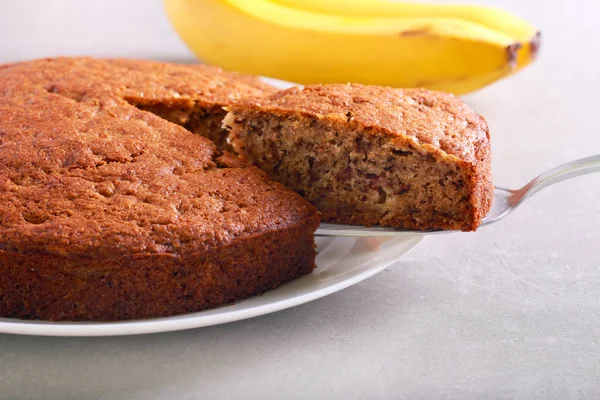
341	262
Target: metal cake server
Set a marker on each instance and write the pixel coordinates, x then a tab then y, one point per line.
505	201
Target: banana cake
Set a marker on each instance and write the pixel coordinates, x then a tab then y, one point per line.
369	155
110	211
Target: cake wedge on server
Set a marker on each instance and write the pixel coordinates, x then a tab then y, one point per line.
369	155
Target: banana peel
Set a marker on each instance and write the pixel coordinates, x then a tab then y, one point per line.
456	49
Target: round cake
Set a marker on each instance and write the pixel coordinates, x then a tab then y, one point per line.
111	212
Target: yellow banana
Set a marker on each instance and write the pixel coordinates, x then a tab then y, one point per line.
287	41
490	17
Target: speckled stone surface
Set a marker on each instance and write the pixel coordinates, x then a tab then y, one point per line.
509	312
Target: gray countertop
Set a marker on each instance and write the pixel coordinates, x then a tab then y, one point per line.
512	311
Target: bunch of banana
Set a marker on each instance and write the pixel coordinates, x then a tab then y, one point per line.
454	48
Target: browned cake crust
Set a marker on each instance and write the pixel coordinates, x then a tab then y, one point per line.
109	212
371	155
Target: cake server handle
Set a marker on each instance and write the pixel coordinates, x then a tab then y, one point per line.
506	200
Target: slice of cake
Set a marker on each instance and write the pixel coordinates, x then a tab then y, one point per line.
368	155
109	212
